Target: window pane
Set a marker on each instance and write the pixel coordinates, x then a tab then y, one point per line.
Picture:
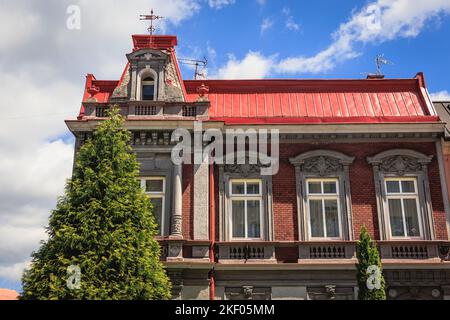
156	185
395	214
147	92
315	213
157	211
253	219
408	186
238	219
252	188
314	187
332	218
392	186
237	188
412	221
329	187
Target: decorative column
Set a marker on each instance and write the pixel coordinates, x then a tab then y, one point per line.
176	230
133	82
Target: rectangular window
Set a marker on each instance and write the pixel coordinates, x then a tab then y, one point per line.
155	189
403	199
323	208
246	209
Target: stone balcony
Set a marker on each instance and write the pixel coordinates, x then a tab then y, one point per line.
306	252
149	110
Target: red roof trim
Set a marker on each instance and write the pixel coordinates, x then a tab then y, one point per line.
317	120
143	41
303	85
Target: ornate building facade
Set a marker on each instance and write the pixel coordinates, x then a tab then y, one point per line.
352	153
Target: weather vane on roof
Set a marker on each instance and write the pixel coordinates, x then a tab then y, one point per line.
380	60
151	17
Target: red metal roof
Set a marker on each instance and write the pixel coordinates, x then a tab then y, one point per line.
302	101
290	100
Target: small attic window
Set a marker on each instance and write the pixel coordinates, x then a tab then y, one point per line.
148	88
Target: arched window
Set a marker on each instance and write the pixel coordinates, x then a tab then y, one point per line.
148	88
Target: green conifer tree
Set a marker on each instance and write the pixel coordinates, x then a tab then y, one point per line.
102	229
369	269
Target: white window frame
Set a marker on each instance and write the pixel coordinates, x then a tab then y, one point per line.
323	196
146	83
157	194
401	195
246	197
144	73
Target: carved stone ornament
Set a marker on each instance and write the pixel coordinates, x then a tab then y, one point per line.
176	225
243	170
330	292
414	293
322	162
175	250
322	165
400	165
247	293
400	161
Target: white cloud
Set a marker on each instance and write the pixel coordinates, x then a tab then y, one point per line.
379	21
25	25
253	66
290	22
266	24
219	4
13	272
261	2
440	96
42	68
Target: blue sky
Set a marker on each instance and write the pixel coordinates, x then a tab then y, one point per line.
241	38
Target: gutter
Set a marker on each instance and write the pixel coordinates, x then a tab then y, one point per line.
212	231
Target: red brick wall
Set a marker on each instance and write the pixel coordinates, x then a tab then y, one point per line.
188	201
361	183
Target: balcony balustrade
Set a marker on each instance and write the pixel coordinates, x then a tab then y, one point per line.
308	252
149	109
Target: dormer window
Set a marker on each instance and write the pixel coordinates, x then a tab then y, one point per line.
148	88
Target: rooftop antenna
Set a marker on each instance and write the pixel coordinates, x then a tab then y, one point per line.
150	17
380	60
199	74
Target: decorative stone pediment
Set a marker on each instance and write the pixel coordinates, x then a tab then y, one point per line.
322	162
400	165
400	161
243	170
322	165
245	166
147	55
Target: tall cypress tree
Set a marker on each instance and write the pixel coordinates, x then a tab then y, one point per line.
369	270
101	235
